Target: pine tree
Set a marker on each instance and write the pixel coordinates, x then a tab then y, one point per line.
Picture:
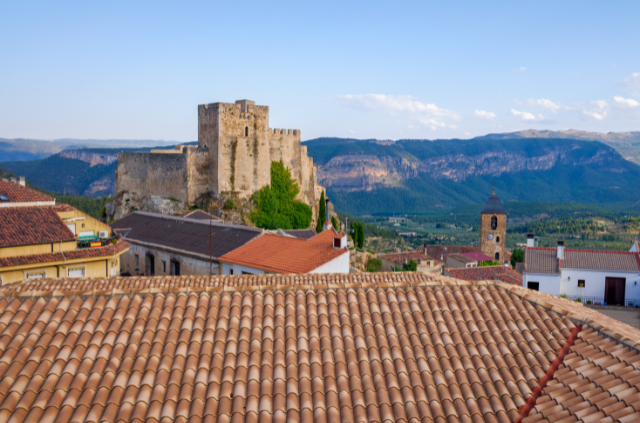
321	214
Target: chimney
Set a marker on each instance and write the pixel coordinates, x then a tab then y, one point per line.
21	181
536	241
560	254
531	242
327	223
14	180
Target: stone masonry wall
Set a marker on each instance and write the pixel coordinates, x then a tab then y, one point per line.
491	247
145	174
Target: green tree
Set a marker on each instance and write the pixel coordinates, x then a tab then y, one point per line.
276	207
360	232
488	263
412	266
335	223
321	214
517	256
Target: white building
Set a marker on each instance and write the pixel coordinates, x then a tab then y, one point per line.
326	252
595	277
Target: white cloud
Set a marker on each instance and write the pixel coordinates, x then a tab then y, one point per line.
526	116
595	115
631	83
546	103
484	114
393	104
432	123
453	127
351	131
626	102
600	104
522	69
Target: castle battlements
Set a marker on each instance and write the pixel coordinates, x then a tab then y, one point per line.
234	154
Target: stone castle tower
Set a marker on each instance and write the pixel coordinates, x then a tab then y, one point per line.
493	228
233	157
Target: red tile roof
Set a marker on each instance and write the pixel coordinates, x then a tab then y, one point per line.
484	273
281	254
108	250
544	260
405	257
477	256
372	348
32	225
16	193
441	251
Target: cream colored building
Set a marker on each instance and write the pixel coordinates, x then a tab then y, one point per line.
39	239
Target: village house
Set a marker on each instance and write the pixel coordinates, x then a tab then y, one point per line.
484	273
426	264
172	245
326	252
42	239
460	260
594	277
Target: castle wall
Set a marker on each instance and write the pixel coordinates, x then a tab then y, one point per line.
198	172
144	174
491	247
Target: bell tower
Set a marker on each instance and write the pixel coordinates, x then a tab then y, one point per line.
493	228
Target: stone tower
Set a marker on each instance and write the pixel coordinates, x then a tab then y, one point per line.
493	228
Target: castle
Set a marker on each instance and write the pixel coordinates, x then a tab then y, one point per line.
233	156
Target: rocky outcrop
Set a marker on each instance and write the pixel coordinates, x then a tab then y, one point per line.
365	172
101	188
88	156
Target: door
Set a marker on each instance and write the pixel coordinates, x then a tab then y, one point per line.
151	265
614	291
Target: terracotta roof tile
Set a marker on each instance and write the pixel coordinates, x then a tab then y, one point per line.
32	225
477	256
16	193
544	260
281	254
108	250
502	273
358	347
405	257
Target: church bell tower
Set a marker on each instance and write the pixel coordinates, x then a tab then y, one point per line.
493	228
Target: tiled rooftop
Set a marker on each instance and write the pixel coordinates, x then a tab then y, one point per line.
477	256
108	250
503	273
16	193
201	215
544	260
440	252
463	258
32	225
279	254
317	348
405	257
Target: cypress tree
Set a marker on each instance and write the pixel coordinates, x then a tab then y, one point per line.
321	214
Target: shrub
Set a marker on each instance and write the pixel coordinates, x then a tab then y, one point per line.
578	300
412	266
229	204
563	295
374	265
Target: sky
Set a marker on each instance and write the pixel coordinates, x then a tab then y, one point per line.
385	70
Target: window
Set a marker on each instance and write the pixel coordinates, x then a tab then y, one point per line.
581	283
38	275
76	273
247	273
494	223
137	260
164	266
231	271
175	267
151	265
336	242
497	256
246	131
534	286
498	239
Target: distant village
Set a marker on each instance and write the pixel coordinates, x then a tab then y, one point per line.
172	309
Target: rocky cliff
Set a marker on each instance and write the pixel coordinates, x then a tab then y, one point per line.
90	157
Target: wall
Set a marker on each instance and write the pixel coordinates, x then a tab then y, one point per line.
84	222
144	174
549	284
595	283
97	268
337	265
188	265
238	269
491	247
28	250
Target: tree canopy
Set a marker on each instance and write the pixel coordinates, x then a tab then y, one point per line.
276	206
321	214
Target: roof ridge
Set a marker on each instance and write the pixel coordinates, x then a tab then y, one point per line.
194	221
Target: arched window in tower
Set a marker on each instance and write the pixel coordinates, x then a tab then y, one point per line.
494	223
497	256
246	131
498	239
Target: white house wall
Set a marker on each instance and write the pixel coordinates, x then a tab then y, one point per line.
595	283
549	283
337	265
188	265
239	270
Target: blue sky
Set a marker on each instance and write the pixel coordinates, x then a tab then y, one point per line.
386	70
